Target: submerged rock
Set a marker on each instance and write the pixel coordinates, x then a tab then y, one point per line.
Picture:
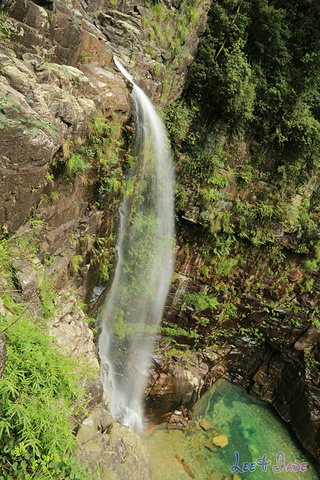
206	425
220	440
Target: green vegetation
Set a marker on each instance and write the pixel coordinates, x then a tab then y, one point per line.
170	29
101	256
76	164
247	133
97	153
101	149
178	331
264	82
38	391
47	293
85	57
5	31
41	388
74	264
246	141
200	301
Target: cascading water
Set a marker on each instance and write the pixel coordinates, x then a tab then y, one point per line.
133	308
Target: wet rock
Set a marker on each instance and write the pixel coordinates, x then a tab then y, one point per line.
206	425
94	391
178	419
311	337
116	450
178	385
109	91
220	440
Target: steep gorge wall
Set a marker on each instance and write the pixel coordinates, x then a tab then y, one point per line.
245	297
61	70
44	43
62	101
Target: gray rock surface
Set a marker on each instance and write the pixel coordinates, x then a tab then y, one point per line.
72	332
115	449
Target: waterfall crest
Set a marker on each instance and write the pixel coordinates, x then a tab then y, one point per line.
133	307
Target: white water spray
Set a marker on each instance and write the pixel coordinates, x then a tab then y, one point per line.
133	308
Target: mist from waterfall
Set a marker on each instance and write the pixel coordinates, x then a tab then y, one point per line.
133	307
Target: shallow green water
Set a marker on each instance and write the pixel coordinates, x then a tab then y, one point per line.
252	429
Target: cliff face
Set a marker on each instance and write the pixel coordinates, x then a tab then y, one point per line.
250	312
270	350
46	46
245	299
65	130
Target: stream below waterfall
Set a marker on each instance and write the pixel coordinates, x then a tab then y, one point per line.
249	426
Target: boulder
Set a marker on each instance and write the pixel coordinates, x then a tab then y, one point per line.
206	425
115	449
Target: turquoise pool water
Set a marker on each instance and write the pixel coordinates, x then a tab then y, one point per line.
248	426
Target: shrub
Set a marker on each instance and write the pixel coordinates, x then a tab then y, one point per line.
76	164
178	117
38	391
74	264
200	301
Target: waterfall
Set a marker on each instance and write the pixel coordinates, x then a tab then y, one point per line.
133	307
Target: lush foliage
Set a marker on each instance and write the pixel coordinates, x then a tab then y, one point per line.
41	387
76	164
265	81
251	118
200	301
246	139
38	391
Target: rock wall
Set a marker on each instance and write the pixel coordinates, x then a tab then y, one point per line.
271	351
40	82
56	76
